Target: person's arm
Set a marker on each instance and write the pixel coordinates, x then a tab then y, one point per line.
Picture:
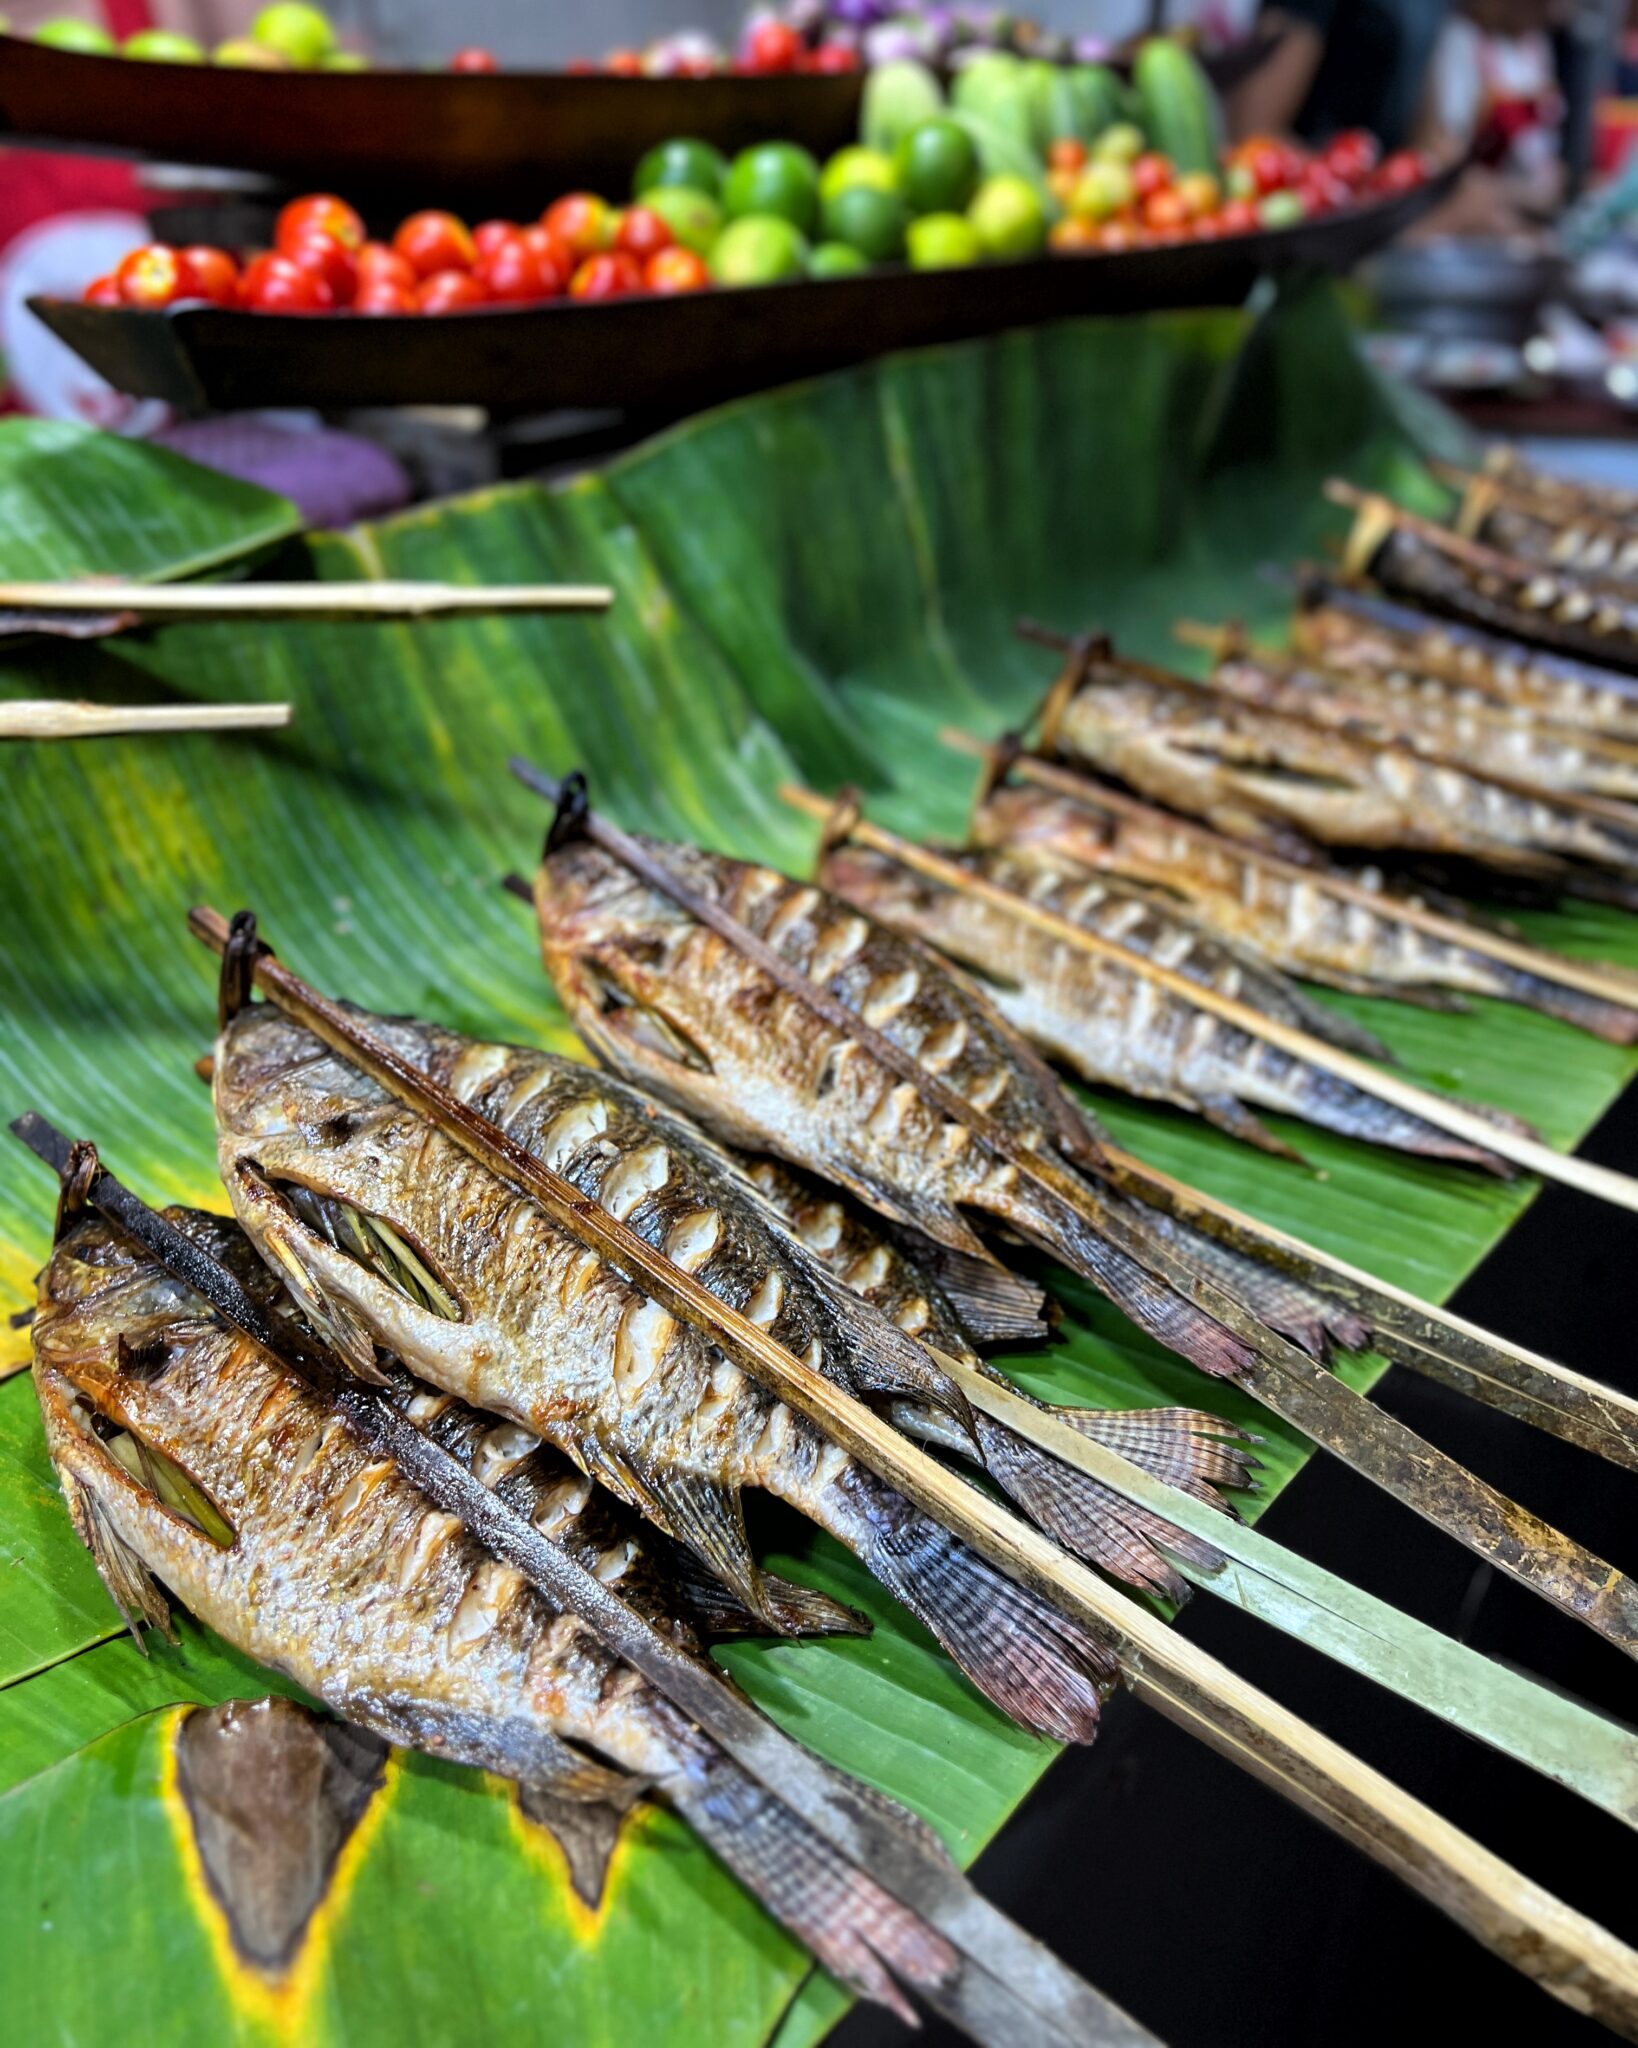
1270	99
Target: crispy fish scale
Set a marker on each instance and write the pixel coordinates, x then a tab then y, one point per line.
553	1338
344	1576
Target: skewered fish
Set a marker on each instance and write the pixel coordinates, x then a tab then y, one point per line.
1564	494
1105	1019
1577	540
188	1455
1355	631
1290	917
1266	776
484	1296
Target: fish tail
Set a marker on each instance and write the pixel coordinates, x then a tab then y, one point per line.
858	1931
1188	1448
1044	1670
1339	1106
1613	1022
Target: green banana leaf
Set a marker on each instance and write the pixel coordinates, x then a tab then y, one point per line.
808	584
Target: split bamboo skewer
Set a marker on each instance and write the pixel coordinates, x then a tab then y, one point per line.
1594	978
1010	1989
1275	1371
52	719
1569	1955
360	599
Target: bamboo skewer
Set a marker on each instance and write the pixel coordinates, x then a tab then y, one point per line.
51	719
385	599
1009	1987
1612	984
1276	1373
1568	1954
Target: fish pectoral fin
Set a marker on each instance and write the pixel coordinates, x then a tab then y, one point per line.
582	1809
710	1520
798	1610
881	1359
131	1586
334	1320
994	1304
1229	1114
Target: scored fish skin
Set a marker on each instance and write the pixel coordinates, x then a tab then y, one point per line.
1105	1019
343	1575
555	1339
1294	922
1601	549
1256	774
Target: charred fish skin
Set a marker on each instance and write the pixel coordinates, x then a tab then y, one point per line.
549	1336
1296	923
341	1574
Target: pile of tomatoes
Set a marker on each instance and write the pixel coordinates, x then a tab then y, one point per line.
323	261
767	49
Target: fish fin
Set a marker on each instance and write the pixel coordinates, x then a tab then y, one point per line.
1188	1448
710	1520
1089	1518
1335	1029
993	1304
859	1932
798	1610
583	1811
1046	1671
334	1320
881	1358
931	1221
131	1585
1229	1114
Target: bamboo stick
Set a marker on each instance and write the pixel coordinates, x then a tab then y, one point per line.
1612	984
1600	1181
1569	1955
52	719
1273	1370
385	599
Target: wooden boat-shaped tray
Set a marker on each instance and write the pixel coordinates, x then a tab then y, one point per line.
675	353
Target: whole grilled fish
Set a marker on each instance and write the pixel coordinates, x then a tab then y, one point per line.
1460	728
1355	632
1256	774
1288	916
1568	496
189	1456
1105	1019
1600	549
475	1289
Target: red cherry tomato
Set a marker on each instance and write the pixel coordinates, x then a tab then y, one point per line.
1238	217
320	212
512	274
274	283
832	58
1270	163
209	274
448	291
642	233
430	242
1069	153
1322	190
548	249
102	291
1401	172
624	63
771	46
1165	210
610	275
675	270
379	263
489	234
581	223
473	60
1353	155
380	295
324	254
1151	173
150	276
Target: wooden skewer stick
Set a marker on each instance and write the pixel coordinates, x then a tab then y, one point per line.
304	600
50	719
1594	978
1449	1115
1569	1955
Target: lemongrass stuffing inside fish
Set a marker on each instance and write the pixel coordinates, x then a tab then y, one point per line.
549	1335
309	1553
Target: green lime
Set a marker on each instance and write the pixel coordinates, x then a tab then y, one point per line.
243	53
1282	210
301	33
759	248
858	166
684	160
942	241
84	37
162	46
777	178
867	220
1122	143
344	60
1102	189
1009	217
693	217
836	259
938	167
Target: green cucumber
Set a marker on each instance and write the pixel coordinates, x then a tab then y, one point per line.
1181	116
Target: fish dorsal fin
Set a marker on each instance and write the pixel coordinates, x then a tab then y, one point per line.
880	1358
1227	1113
582	1806
710	1519
798	1610
993	1304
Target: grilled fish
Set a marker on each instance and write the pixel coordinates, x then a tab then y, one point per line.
1262	775
1440	724
1289	917
1567	496
189	1456
1580	542
1104	1019
1354	632
480	1293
